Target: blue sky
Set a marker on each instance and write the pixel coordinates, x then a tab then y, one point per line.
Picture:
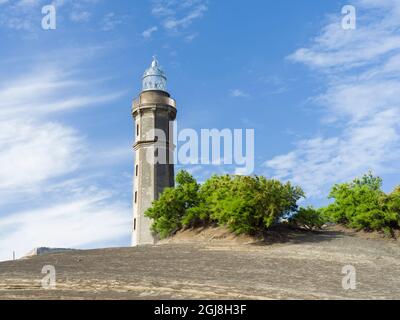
323	101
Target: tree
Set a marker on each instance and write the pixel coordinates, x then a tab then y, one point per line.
308	218
246	205
168	212
362	204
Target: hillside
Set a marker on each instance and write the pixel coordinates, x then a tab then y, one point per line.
213	264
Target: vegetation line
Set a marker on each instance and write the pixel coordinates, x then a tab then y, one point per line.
253	204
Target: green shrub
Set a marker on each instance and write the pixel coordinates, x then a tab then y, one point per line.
308	218
246	205
362	205
197	216
393	201
168	212
249	205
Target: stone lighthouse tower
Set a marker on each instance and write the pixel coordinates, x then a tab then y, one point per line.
153	111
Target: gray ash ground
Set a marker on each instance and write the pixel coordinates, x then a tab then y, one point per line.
214	265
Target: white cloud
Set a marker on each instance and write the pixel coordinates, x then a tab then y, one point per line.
25	15
162	8
80	16
111	21
45	165
73	223
177	16
374	37
33	148
149	32
172	23
319	162
32	152
361	101
191	37
237	93
47	91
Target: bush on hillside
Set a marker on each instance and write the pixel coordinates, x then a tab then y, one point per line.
249	205
308	218
362	205
246	205
167	212
393	201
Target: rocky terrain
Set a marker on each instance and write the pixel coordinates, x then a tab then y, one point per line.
213	264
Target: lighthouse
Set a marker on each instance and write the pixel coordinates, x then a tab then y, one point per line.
153	112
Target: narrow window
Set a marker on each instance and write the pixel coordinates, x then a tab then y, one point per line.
134	224
137	170
135	196
137	130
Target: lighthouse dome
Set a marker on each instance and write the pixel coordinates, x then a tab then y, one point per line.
154	78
